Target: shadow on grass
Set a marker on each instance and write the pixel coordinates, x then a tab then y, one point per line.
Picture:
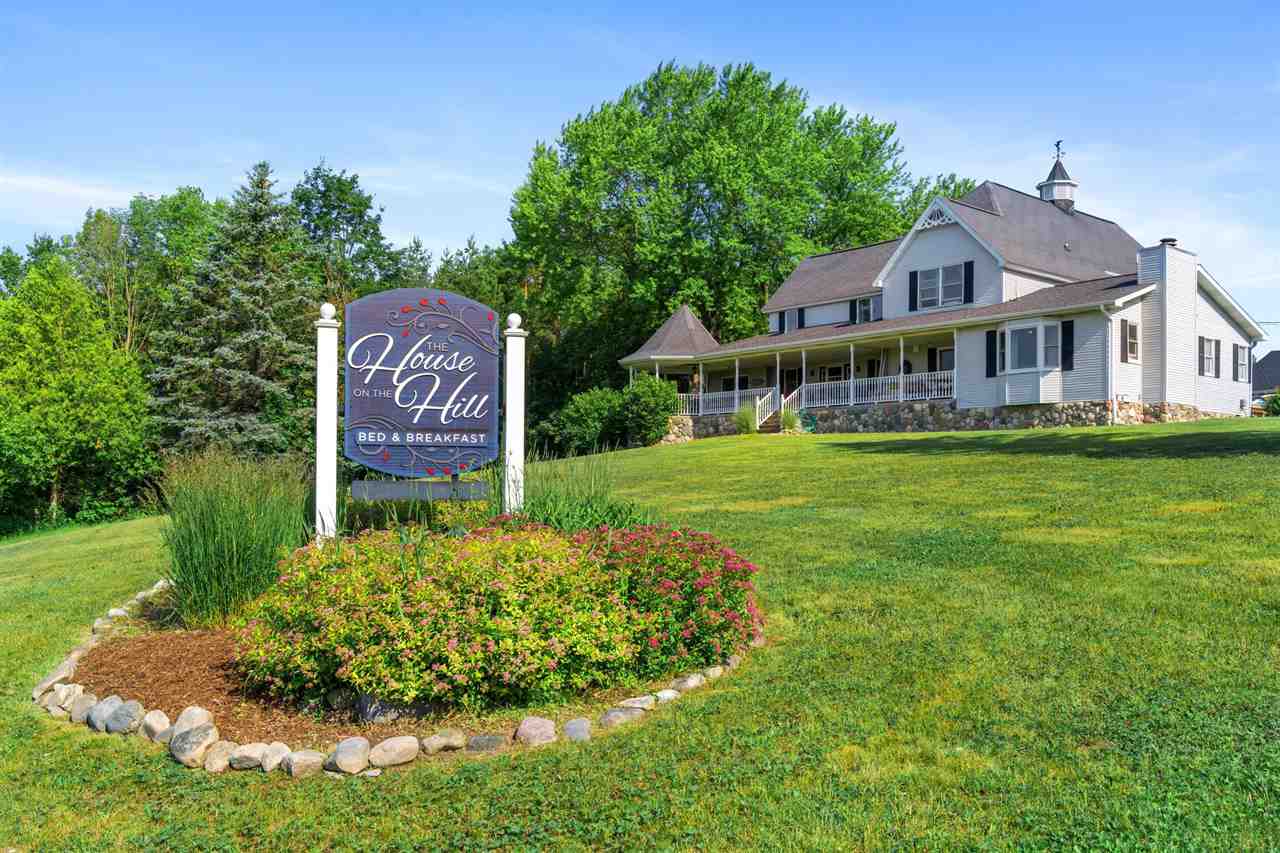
1183	441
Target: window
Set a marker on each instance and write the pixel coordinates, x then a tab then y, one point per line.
929	287
864	310
1022	349
1051	346
1209	351
1131	345
953	284
1242	363
947	359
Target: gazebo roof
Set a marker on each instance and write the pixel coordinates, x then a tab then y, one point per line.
681	335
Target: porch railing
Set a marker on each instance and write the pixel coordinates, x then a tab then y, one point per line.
688	404
791	402
721	402
938	384
766	406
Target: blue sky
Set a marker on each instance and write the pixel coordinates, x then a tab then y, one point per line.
1170	112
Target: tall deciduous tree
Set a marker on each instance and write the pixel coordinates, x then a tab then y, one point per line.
74	428
11	268
348	256
696	186
235	363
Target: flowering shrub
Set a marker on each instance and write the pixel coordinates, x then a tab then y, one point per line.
504	614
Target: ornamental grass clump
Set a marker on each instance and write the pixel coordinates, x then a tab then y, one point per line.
504	615
231	519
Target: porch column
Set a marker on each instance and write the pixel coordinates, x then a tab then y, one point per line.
902	370
702	382
736	393
804	374
852	369
777	376
656	374
631	375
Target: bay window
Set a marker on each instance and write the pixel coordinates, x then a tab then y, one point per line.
1029	346
1022	348
1051	346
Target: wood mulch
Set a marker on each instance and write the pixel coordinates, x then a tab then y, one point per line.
170	670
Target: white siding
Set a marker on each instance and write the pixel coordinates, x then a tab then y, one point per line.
1023	388
1018	284
1221	394
973	386
936	247
1088	381
1153	348
1180	326
824	315
1128	377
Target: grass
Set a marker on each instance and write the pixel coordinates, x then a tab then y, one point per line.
1026	640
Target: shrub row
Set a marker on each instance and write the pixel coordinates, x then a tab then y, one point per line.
510	613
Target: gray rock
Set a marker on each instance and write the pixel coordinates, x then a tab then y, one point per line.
713	672
65	694
58	713
618	716
49	701
372	774
667	695
341	698
445	740
274	755
218	757
125	719
164	736
689	682
162	585
247	756
333	774
154	723
117	613
304	762
189	747
535	731
62	674
191	716
486	743
393	751
98	714
350	756
81	706
371	709
578	729
101	625
732	661
644	703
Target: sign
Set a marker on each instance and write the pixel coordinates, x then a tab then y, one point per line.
421	383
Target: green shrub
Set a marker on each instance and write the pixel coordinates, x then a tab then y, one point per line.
502	615
231	518
75	435
1272	407
744	420
789	420
647	406
589	422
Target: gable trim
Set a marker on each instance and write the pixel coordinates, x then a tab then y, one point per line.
939	203
1227	303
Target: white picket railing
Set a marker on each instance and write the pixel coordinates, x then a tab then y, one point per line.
791	402
875	389
766	406
929	386
688	404
721	402
815	394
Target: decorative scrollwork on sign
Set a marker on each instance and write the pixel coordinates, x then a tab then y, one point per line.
937	216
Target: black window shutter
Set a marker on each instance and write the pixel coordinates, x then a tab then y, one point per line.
1235	362
782	321
968	281
800	318
1124	340
1217	359
853	312
1200	360
913	291
1068	344
933	359
991	351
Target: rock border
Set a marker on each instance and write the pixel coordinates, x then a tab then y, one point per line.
193	740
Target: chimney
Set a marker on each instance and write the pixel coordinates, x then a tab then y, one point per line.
1058	187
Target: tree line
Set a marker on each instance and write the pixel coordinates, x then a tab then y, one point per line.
697	185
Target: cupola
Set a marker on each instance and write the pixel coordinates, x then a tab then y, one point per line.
1058	187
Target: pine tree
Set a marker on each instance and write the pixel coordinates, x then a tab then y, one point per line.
236	364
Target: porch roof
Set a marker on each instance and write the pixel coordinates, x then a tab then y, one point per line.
681	336
1062	298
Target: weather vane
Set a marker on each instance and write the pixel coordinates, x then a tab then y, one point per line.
1057	146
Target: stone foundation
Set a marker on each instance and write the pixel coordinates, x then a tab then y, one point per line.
946	417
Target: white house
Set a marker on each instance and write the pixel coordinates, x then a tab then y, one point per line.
998	308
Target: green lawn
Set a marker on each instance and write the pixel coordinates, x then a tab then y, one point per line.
1009	640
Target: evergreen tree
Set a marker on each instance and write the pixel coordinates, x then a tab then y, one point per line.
236	361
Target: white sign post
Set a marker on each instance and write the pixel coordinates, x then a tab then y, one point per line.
327	423
513	439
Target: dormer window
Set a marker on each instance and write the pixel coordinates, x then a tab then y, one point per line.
942	286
